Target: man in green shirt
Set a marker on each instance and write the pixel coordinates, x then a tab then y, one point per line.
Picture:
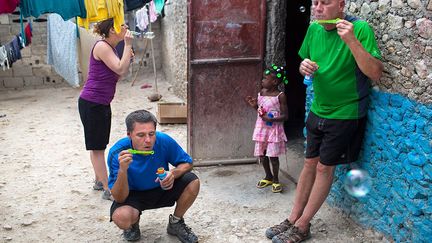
342	57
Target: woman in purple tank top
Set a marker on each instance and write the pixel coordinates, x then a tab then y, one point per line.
105	69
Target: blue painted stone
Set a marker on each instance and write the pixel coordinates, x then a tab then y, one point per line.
414	209
410	125
426	111
396	101
420	124
428	170
416	159
415	174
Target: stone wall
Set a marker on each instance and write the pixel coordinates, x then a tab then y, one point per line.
397	150
174	45
404	32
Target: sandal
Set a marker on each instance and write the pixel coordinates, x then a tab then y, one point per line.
276	187
293	236
264	183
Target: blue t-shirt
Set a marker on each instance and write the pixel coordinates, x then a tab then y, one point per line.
142	170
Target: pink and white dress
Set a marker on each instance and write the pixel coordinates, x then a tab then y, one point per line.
269	140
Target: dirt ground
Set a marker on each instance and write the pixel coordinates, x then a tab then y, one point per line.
46	179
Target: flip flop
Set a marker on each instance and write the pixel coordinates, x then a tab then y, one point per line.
264	183
276	187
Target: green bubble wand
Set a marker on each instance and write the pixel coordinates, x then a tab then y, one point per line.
327	21
142	152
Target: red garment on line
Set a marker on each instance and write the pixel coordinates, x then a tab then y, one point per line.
28	34
8	6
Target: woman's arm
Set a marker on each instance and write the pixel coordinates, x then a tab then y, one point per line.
105	53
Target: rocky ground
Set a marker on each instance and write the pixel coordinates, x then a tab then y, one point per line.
46	179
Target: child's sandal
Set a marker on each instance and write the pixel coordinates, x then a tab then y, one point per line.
264	183
276	187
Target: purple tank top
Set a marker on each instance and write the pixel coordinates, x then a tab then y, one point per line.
101	82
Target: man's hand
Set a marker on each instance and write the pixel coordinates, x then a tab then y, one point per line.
345	30
168	182
307	67
124	158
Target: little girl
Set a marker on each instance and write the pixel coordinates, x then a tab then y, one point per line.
269	135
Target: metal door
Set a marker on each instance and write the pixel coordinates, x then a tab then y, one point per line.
225	64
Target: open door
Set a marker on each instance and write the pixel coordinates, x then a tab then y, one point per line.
225	64
298	13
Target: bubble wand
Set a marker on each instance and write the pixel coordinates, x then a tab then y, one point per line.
327	21
142	152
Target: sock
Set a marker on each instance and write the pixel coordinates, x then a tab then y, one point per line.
174	219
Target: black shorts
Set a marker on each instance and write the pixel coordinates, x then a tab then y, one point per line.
96	119
334	141
157	197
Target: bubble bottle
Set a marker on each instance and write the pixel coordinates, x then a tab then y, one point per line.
270	115
161	173
307	80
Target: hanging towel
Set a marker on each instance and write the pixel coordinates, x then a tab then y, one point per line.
152	12
8	6
62	48
142	19
98	10
65	8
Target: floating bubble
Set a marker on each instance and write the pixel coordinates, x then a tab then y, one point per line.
357	182
302	9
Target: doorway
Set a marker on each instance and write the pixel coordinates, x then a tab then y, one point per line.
297	22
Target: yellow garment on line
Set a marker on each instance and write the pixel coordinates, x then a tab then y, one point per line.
98	10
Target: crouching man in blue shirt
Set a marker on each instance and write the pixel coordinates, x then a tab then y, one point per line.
134	184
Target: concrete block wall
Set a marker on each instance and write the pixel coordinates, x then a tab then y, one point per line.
31	70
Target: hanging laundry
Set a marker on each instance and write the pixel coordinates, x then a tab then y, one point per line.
142	19
62	48
152	12
13	51
8	6
159	5
4	62
67	9
98	10
28	34
135	4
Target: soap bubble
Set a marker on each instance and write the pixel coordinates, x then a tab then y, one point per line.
302	9
357	182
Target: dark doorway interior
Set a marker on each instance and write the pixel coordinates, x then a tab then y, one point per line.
298	15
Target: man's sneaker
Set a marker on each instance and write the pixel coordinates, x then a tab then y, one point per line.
181	230
292	236
279	228
98	186
106	194
132	234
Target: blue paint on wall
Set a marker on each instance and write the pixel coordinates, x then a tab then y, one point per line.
397	154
